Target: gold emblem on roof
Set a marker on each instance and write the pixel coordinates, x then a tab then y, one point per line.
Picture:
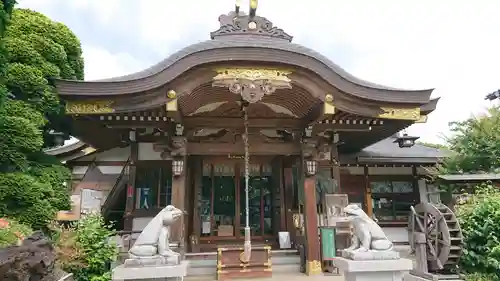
400	113
89	107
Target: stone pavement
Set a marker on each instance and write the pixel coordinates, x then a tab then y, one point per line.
279	277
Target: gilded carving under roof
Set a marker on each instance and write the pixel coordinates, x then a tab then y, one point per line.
400	113
252	83
89	107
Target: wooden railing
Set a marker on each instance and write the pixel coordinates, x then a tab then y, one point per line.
121	180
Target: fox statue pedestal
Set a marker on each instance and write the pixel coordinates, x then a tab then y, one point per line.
373	270
371	256
151	257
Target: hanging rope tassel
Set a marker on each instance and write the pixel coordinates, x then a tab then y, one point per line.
247	246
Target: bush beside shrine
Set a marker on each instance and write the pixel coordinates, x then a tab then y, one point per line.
479	218
12	232
85	248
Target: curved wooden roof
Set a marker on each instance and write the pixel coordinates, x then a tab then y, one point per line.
234	42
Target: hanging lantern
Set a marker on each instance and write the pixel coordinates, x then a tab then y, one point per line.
406	141
311	167
177	167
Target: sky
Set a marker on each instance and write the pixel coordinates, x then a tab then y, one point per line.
452	46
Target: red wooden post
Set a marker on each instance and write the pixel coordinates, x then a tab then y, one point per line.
313	264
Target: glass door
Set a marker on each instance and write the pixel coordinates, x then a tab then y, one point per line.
218	200
222	200
260	200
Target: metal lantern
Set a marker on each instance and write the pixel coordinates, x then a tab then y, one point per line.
58	137
311	167
177	167
406	141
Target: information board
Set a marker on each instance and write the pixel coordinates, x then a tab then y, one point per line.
328	250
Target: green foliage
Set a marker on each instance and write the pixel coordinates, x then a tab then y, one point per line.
434	145
476	142
481	277
479	218
38	49
12	232
26	199
85	250
33	49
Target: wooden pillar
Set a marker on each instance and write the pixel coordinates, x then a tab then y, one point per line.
179	184
312	247
198	185
313	264
368	194
129	203
336	166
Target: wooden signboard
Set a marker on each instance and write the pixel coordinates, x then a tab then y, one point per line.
229	265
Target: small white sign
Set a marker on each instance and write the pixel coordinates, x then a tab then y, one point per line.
284	239
205	227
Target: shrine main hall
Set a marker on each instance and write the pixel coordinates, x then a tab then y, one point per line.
181	131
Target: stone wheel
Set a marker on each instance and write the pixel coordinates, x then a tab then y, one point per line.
442	234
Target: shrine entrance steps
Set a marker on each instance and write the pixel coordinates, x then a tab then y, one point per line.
203	266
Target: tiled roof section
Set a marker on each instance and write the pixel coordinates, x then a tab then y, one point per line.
78	145
471	177
387	150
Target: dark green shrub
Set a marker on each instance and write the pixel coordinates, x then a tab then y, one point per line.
84	249
479	218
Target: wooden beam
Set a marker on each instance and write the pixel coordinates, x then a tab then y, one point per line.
230	122
319	128
97	163
237	149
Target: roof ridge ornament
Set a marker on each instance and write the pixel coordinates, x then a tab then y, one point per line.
242	24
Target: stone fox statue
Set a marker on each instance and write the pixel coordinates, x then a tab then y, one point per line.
368	235
154	239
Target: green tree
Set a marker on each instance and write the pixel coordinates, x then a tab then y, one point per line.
6	7
476	143
433	145
479	219
35	49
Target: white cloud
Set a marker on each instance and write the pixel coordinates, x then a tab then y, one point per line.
448	45
100	63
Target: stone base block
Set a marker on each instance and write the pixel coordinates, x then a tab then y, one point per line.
152	261
431	277
370	255
158	273
373	270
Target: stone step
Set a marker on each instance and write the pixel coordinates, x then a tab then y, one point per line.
208	267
